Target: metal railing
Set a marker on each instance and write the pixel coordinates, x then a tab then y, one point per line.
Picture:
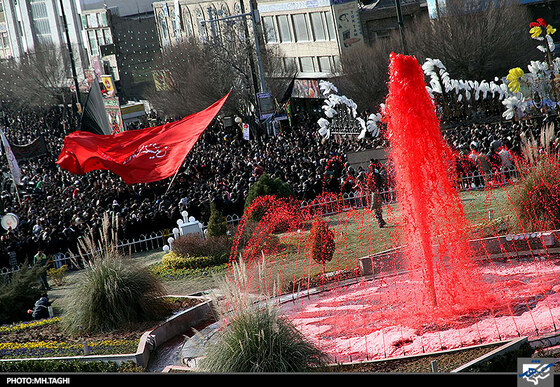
324	206
153	241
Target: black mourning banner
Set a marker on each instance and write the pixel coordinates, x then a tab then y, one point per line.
94	116
35	148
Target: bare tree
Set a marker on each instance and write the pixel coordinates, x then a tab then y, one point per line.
199	73
474	39
38	78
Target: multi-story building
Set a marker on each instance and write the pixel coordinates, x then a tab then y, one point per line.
5	51
309	35
121	46
32	23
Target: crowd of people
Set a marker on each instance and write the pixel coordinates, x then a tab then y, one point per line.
55	207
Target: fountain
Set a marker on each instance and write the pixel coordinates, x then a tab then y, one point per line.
436	292
434	288
433	222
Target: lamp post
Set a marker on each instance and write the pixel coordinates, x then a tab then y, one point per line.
400	21
251	14
71	54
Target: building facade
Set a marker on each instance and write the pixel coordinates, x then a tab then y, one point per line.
5	51
122	47
32	23
310	36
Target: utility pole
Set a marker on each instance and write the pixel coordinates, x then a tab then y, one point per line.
401	25
260	84
71	55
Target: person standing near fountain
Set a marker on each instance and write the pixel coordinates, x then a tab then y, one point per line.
374	182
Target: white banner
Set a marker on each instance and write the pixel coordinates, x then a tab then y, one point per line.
12	162
246	133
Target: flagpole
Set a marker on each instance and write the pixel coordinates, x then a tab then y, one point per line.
173	178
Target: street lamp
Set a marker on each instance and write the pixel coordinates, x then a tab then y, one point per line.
401	24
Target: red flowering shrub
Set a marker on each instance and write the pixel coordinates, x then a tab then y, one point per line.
321	242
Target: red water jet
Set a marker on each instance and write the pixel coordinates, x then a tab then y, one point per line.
434	226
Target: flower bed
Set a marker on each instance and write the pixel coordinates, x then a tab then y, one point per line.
45	338
169	274
11	350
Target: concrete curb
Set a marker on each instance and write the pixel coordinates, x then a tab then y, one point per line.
511	345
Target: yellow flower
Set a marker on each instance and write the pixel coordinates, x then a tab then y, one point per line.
513	79
535	32
550	30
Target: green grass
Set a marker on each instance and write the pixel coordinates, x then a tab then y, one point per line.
357	234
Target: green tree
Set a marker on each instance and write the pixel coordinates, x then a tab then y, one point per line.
217	224
19	293
267	186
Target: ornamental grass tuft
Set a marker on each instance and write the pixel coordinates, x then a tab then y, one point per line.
256	338
115	292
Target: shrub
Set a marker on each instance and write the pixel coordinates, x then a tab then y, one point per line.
115	293
217	224
179	262
267	186
19	294
538	198
256	338
196	246
58	275
259	340
321	242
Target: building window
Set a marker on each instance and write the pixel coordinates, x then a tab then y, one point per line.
319	32
40	18
100	38
324	64
102	19
270	29
202	32
187	23
290	64
93	46
107	35
164	32
300	27
306	64
336	64
330	25
92	21
4	40
284	28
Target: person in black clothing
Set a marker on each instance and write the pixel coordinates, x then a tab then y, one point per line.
41	308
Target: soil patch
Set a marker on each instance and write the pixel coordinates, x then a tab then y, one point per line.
446	362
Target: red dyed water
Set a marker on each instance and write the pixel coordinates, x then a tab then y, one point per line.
433	222
445	298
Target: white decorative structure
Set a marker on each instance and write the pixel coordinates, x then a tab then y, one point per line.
333	101
187	225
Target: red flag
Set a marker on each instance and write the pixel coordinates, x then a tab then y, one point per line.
137	156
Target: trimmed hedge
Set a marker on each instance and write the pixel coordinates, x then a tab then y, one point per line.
191	245
176	261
